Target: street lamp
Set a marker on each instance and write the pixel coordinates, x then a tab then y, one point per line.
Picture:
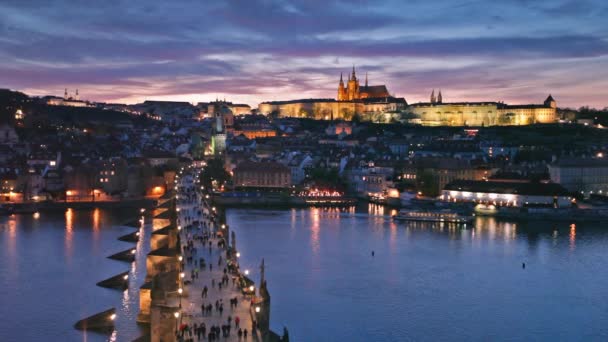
238	255
257	309
180	291
246	272
251	288
176	314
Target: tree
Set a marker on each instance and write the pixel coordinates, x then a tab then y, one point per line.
214	171
427	183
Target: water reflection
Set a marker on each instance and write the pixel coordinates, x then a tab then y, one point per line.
96	218
314	228
572	237
69	231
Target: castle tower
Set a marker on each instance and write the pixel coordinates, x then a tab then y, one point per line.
65	94
439	98
353	87
433	99
341	90
550	102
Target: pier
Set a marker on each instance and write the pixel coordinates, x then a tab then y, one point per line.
194	285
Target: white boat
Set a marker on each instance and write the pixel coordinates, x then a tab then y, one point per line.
486	209
447	216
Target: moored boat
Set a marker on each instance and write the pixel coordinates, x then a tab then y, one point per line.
447	216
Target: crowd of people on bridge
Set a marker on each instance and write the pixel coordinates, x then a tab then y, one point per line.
197	234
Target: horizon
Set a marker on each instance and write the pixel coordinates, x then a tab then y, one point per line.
281	50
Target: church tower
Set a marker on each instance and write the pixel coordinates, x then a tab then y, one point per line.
353	87
439	97
341	90
433	99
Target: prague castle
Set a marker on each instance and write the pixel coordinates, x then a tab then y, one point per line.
438	113
352	91
375	103
366	101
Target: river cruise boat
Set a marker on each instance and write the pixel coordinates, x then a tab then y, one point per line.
447	216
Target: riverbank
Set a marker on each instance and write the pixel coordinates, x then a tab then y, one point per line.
269	199
32	207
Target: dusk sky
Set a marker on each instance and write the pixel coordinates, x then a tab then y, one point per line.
516	51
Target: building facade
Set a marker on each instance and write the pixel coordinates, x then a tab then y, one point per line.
438	113
585	176
512	194
262	175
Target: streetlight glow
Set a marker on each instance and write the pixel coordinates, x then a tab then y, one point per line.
246	272
257	309
113	316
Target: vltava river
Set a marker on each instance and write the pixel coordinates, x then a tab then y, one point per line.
426	282
49	267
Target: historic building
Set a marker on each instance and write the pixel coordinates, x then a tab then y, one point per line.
438	113
222	126
262	175
352	91
369	102
67	100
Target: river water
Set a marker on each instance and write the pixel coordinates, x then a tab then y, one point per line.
427	281
49	266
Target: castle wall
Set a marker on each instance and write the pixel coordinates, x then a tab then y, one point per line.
481	114
457	114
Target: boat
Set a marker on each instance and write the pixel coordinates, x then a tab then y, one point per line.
447	216
486	209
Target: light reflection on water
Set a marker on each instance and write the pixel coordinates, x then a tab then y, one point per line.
427	281
49	267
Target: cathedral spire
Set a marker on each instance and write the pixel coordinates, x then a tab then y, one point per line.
354	77
433	100
341	81
439	98
366	79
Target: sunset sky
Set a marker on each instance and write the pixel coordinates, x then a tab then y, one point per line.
516	51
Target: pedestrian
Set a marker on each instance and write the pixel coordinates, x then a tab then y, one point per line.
245	332
237	321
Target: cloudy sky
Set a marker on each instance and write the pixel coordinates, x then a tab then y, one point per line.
249	51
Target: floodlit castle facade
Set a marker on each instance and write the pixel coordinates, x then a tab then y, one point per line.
437	113
353	91
352	99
